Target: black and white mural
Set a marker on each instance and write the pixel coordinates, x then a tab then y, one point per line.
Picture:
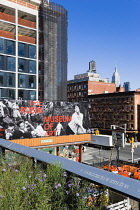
29	119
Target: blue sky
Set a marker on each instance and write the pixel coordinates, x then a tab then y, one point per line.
108	32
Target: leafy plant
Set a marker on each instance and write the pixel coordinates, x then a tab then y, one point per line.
27	187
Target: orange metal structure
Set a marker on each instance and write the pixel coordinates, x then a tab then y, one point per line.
53	140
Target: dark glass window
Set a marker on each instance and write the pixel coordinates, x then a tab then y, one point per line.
10	80
21	65
11	94
32	81
21	94
79	86
1	79
21	49
22	80
32	95
11	63
85	86
32	67
32	51
1	45
1	62
1	92
84	93
10	47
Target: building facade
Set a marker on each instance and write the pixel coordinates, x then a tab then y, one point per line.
89	83
53	52
115	109
18	49
77	90
80	89
23	46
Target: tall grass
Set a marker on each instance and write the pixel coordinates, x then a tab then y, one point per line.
27	187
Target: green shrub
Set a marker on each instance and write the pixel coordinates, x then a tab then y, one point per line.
27	187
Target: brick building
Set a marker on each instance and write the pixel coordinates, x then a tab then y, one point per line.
89	83
80	89
100	87
117	108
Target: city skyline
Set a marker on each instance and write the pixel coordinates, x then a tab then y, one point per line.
107	32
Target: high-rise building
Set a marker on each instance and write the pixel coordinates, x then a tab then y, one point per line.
126	86
116	78
33	56
53	52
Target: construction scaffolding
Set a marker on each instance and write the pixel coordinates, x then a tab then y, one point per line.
53	52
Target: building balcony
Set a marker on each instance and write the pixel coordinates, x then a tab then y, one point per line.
30	21
24	3
27	39
6	17
124	121
26	23
124	110
22	38
7	34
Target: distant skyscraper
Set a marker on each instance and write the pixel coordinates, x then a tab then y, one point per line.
116	78
126	86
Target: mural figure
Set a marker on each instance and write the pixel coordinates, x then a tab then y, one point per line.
75	126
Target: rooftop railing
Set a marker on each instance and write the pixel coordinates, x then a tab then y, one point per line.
124	185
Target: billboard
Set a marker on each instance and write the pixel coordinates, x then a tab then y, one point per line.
20	119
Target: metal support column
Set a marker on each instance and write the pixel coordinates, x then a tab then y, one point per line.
57	151
80	153
118	152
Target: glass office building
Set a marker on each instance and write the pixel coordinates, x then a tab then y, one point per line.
24	72
18	50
